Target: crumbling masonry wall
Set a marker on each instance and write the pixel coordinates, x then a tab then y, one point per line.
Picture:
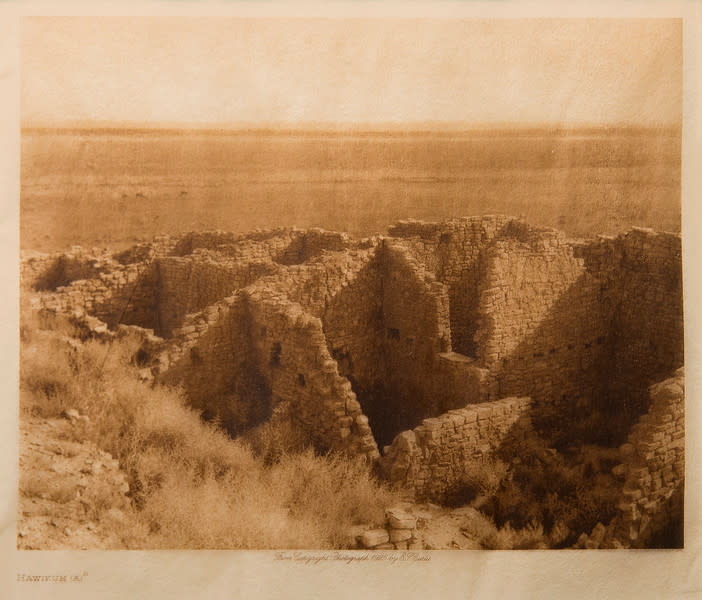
47	272
210	357
282	245
576	325
415	310
641	280
324	331
430	460
187	285
124	294
654	471
306	387
255	357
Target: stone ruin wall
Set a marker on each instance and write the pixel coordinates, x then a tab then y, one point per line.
45	272
451	251
305	383
430	460
255	357
653	470
206	356
641	279
374	329
188	285
574	325
542	332
284	246
654	466
154	286
123	294
416	330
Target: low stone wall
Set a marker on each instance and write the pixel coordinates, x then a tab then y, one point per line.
125	294
430	459
287	246
47	272
459	380
187	285
654	471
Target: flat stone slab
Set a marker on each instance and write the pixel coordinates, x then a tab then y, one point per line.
400	519
374	537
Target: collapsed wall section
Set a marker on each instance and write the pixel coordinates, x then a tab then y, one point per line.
47	272
430	460
654	471
210	357
256	357
187	285
124	294
291	353
352	318
284	246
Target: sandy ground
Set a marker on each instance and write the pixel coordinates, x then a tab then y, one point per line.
72	494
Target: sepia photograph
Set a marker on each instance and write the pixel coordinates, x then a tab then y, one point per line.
356	284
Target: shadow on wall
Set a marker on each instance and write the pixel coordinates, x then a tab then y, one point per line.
669	531
65	269
588	364
220	375
386	329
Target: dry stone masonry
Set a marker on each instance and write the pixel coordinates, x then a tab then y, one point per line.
653	469
436	343
431	458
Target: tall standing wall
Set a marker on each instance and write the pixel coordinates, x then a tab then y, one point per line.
543	330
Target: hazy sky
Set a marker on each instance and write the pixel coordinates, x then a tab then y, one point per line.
287	70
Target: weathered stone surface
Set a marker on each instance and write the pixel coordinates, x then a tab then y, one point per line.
400	519
654	474
409	462
374	537
400	535
423	331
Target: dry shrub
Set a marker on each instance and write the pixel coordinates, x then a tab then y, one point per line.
565	497
528	538
191	485
481	477
272	441
483	529
186	510
339	491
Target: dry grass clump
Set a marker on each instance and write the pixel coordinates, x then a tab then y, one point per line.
480	477
191	485
566	497
483	528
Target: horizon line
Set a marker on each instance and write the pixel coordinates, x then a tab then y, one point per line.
336	126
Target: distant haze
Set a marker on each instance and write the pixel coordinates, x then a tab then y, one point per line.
390	72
